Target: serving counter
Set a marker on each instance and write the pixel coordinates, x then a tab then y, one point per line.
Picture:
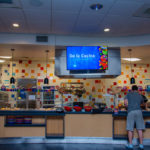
52	124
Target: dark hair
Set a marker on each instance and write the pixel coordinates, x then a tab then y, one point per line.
134	88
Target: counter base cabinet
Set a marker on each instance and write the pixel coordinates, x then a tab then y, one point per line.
22	130
55	127
88	125
119	128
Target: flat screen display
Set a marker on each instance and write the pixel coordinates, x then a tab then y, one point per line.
87	58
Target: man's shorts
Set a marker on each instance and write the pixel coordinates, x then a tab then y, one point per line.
135	117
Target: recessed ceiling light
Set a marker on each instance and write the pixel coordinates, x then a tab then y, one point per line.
5	57
106	30
96	6
131	59
1	61
16	25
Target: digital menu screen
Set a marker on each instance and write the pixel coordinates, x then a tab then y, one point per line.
87	58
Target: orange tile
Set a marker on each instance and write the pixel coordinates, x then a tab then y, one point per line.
17	70
38	74
78	81
26	65
122	73
54	80
38	65
99	90
48	65
32	71
99	96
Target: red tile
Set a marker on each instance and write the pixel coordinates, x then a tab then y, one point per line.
20	61
23	71
42	68
30	61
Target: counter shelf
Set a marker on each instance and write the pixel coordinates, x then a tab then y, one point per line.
44	123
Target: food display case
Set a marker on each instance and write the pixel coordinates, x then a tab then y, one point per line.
48	96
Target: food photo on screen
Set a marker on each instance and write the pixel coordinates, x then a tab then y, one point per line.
87	58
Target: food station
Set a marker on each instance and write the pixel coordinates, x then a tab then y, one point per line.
76	103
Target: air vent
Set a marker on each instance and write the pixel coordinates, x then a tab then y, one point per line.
143	11
6	2
42	38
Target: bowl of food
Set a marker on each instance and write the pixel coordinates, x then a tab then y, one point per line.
68	108
77	108
88	108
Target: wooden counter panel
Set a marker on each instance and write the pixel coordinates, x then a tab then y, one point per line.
92	125
24	131
2	119
38	119
54	126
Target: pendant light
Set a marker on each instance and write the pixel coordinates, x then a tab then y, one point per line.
46	80
12	79
132	80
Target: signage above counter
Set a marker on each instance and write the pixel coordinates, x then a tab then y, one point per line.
87	62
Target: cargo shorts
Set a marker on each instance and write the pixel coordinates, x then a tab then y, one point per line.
135	117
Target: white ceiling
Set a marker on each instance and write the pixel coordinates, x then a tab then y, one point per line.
74	17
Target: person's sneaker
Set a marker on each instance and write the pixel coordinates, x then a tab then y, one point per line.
129	146
141	146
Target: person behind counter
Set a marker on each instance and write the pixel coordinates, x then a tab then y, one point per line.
133	101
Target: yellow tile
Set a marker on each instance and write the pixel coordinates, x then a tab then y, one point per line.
137	73
69	81
39	83
84	96
51	74
87	84
127	67
119	81
32	77
26	74
143	76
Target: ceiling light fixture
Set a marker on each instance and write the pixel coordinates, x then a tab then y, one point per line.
5	57
46	80
12	79
132	79
1	61
131	59
106	30
16	25
96	6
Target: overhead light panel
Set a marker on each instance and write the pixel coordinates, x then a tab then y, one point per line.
16	25
1	61
131	59
106	30
5	57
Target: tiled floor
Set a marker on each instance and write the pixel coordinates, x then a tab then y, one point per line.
65	147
